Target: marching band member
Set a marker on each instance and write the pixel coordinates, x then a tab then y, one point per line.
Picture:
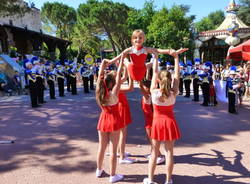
85	78
187	79
205	83
60	79
39	79
196	81
30	72
182	65
232	85
51	77
67	75
72	77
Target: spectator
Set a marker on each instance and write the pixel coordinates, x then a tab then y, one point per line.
4	86
17	83
247	79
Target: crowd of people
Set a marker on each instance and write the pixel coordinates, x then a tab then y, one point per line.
204	77
41	73
159	86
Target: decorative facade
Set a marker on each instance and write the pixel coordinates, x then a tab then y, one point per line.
213	45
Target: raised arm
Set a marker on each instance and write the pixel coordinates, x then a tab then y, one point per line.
143	90
125	75
99	97
130	86
176	74
104	64
155	74
117	86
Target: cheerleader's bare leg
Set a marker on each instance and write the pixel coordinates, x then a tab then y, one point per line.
114	139
103	142
152	160
122	142
169	152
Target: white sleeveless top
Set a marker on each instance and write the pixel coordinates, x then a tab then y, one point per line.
113	99
156	94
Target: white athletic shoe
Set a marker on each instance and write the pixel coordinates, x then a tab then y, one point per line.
170	182
147	156
98	173
115	178
127	154
126	160
147	181
160	160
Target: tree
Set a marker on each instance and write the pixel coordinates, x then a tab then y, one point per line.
84	41
211	22
141	19
61	16
244	11
13	7
170	29
107	18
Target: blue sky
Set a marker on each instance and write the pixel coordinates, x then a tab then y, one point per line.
200	8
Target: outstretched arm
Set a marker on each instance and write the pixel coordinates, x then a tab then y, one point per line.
117	58
171	52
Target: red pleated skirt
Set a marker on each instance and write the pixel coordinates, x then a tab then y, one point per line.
164	126
137	72
148	114
124	110
110	119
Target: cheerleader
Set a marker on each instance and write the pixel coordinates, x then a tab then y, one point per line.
125	114
147	108
138	53
164	127
109	124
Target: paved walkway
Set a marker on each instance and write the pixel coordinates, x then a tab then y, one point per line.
57	143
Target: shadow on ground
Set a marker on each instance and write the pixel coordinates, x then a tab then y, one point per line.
50	130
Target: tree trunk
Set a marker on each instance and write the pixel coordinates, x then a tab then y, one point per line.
110	38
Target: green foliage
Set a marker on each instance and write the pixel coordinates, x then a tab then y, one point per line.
211	22
244	11
108	18
84	41
103	24
169	28
12	7
61	16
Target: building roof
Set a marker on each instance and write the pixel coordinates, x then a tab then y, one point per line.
228	21
34	32
232	21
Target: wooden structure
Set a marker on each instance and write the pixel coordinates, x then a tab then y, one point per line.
30	42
